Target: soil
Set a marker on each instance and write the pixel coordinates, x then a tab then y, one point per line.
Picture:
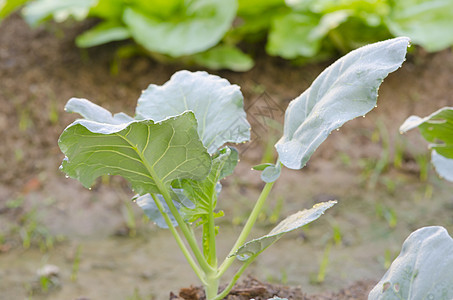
376	175
251	288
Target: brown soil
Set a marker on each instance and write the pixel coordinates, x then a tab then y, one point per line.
251	288
41	69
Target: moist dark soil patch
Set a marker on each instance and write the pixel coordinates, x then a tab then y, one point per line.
251	288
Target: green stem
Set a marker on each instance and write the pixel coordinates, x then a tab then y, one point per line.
247	228
179	241
212	258
212	286
235	278
182	224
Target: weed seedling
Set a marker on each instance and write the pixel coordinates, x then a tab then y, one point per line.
173	151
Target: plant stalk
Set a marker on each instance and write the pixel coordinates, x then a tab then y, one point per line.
247	228
235	278
185	230
179	241
212	286
182	225
212	258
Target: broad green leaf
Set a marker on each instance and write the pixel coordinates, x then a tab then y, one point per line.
143	152
200	25
169	10
256	7
7	7
437	129
101	34
300	34
289	36
291	223
224	57
111	10
359	8
428	23
37	11
217	105
423	270
203	193
345	90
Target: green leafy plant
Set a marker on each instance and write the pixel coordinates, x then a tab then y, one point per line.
173	155
423	269
437	129
218	33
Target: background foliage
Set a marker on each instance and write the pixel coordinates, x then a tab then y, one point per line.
222	33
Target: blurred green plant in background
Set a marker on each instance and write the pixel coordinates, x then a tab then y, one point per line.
216	33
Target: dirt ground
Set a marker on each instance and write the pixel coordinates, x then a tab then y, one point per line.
105	249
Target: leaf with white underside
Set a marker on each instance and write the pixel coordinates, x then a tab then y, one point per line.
443	165
147	203
291	223
271	173
437	129
345	90
217	105
423	269
142	151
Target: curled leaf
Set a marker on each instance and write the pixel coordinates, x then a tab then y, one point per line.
291	223
345	90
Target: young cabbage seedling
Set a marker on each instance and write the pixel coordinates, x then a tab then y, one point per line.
172	152
424	268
